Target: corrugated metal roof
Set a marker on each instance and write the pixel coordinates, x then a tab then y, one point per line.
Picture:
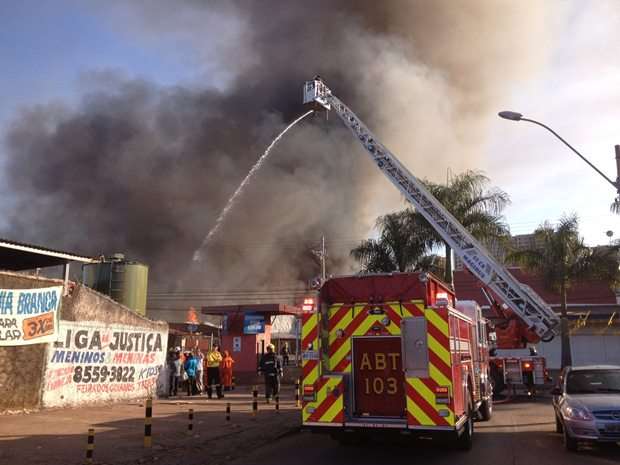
17	256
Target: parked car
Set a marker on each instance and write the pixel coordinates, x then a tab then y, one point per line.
586	401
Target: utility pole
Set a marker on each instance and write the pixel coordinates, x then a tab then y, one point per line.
322	255
617	148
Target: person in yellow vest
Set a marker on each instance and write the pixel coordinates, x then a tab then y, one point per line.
214	358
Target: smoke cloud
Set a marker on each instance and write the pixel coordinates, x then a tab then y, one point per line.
145	169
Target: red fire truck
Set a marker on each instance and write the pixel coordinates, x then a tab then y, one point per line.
516	368
398	352
394	352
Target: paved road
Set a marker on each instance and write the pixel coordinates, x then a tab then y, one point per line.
519	434
58	436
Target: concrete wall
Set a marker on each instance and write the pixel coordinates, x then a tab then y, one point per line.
586	349
27	377
105	353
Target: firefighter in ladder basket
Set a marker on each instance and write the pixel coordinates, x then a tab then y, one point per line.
271	368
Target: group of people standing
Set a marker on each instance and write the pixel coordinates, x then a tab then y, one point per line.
189	367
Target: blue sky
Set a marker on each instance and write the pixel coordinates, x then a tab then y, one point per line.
46	47
577	95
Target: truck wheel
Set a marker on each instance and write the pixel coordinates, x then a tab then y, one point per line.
497	380
466	439
558	425
486	409
570	443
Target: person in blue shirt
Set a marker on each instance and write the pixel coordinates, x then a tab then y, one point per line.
191	365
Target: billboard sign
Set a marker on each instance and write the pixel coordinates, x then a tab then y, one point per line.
253	323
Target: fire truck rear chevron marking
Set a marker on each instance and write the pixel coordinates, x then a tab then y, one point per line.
440	375
310	371
357	321
394	317
416	414
439	320
309	335
438	349
421	406
329	406
336	317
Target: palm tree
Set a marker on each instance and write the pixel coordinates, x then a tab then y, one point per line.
561	258
398	247
477	207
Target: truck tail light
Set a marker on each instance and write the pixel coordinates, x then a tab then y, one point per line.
308	305
442	299
442	395
527	366
309	395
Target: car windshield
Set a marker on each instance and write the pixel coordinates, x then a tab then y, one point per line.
593	381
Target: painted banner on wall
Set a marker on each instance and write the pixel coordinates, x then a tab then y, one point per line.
29	316
97	362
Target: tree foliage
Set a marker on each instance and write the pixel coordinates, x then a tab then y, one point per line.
406	239
475	205
561	256
398	248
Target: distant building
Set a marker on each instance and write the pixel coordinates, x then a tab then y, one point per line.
593	313
500	250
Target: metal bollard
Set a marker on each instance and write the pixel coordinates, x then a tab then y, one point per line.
90	446
148	419
277	404
254	401
190	417
227	411
297	384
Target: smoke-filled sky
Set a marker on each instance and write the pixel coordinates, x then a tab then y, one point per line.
126	126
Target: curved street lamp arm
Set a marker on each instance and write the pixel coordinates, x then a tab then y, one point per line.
616	186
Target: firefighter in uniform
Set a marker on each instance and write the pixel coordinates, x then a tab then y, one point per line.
214	358
271	369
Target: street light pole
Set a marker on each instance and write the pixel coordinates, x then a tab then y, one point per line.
514	116
617	147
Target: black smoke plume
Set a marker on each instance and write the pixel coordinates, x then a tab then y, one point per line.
144	169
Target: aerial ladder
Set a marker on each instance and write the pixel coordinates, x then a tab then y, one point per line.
539	318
